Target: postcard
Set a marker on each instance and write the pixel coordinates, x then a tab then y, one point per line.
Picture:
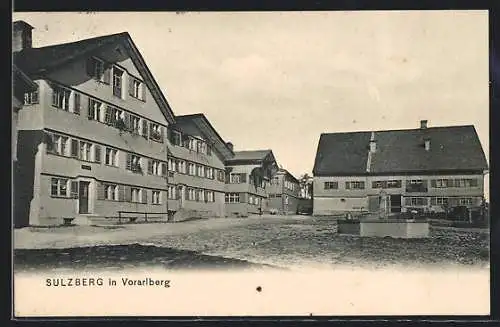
250	163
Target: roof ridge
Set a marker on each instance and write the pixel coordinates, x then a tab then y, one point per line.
397	130
82	40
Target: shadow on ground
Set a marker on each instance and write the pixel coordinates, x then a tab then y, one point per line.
122	257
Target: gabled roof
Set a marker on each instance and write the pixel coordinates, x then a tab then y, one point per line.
251	155
39	61
19	76
286	172
452	148
201	121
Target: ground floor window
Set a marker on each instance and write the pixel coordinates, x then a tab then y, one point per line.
210	196
416	201
59	187
111	192
156	197
465	201
172	192
232	197
136	194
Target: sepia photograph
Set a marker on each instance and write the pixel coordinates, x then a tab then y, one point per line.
250	163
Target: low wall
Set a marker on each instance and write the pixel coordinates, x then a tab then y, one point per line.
396	229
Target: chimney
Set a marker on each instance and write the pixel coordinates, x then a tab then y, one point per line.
230	145
427	144
373	143
21	36
423	124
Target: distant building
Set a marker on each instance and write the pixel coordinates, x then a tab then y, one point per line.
306	187
283	193
429	168
248	175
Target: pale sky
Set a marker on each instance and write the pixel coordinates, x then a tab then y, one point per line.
278	80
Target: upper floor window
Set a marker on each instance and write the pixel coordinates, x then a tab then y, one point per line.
118	82
191	169
156	197
58	144
135	124
209	172
61	97
200	171
210	196
331	185
156	167
191	194
386	184
176	138
31	98
134	163
235	178
98	70
192	144
111	157
136	88
94	112
360	185
156	132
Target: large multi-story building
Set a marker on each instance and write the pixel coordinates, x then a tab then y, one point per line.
93	141
247	176
99	141
429	169
283	193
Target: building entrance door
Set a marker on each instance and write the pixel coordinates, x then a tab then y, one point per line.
83	197
396	203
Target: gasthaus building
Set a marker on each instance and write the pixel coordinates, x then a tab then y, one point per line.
427	169
98	140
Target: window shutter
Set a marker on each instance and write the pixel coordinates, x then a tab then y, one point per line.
433	201
128	193
34	97
150	166
97	149
121	193
160	130
74	148
143	92
76	103
129	161
197	195
107	73
144	196
362	185
90	67
49	141
170	136
145	125
164	169
131	85
347	185
473	182
101	192
107	115
407	201
89	112
243	178
424	183
242	197
74	189
433	183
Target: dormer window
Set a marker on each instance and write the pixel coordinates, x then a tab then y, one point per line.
98	70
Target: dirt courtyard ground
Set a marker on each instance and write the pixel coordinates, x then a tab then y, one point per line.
281	241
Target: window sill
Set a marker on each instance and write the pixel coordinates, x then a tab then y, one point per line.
62	197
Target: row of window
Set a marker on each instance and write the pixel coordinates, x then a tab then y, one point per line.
71	101
71	147
410	184
452	201
67	188
241	178
194	169
238	198
190	142
102	71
